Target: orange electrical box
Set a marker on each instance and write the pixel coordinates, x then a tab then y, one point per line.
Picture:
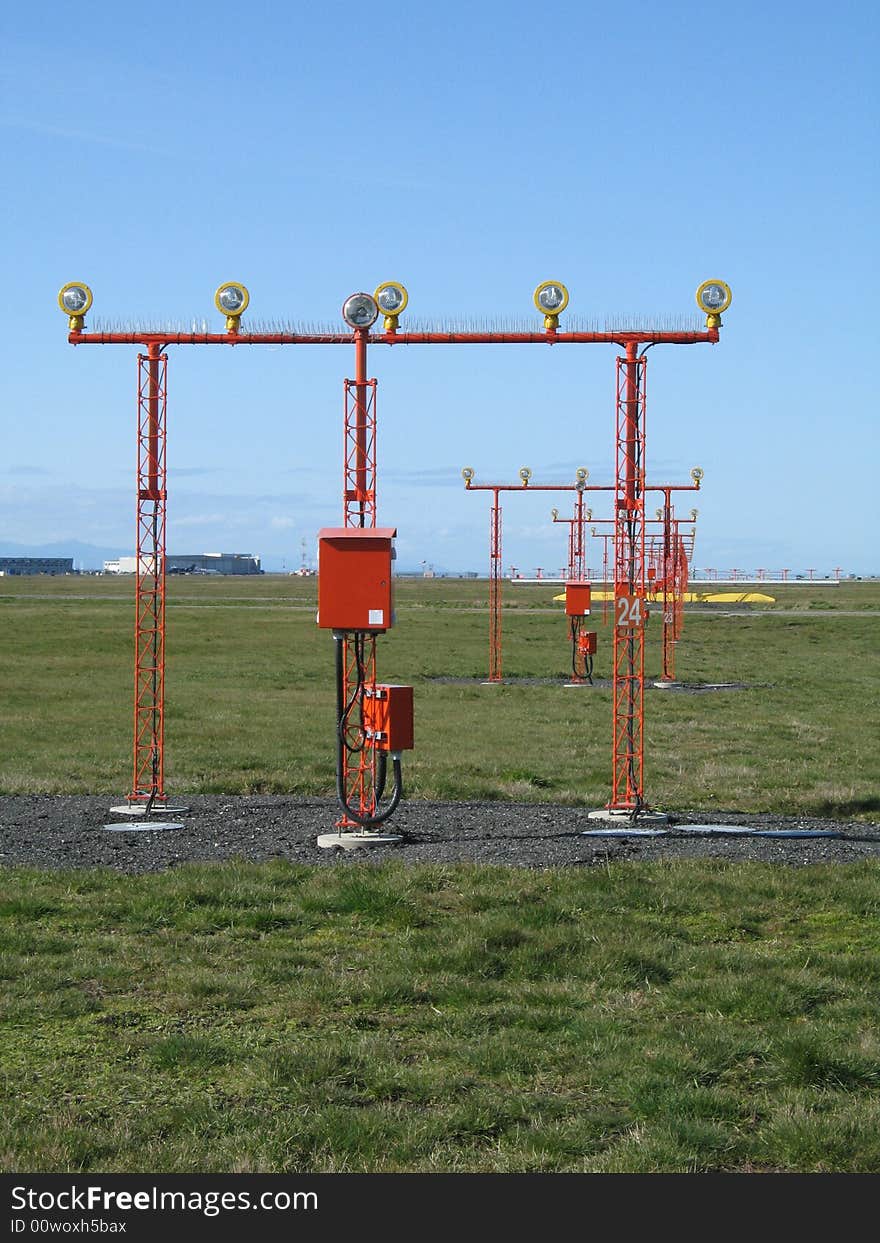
577	599
587	642
354	578
388	717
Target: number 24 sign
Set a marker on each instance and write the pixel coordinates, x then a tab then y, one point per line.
629	612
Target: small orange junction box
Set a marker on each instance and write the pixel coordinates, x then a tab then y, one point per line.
354	578
587	642
577	599
388	717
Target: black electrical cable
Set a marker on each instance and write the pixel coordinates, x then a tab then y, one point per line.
381	775
343	712
371	821
575	631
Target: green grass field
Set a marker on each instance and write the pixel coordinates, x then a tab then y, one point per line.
250	696
279	1018
630	1017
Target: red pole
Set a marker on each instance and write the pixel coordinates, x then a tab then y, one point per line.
668	674
578	560
360	380
495	588
628	691
359	768
148	781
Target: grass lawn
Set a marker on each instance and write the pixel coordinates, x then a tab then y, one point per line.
250	696
276	1018
672	1017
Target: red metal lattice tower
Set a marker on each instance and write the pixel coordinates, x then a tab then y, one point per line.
495	589
148	782
674	586
359	756
673	566
495	547
576	570
628	709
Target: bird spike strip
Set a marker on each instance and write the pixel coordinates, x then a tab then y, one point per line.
199	326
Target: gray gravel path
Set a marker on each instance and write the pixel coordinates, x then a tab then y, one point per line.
67	832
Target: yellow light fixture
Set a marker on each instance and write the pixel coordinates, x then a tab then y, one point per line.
391	299
551	298
75	299
714	297
231	300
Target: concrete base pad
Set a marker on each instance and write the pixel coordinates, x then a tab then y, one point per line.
567	685
739	830
356	841
644	818
149	826
665	686
622	831
139	809
722	830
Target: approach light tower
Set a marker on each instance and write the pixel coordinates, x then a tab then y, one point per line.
495	574
550	299
674	566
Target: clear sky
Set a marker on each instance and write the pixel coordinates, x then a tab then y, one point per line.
469	150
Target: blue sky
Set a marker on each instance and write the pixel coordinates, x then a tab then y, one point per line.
469	151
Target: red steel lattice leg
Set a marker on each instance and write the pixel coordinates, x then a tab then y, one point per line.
359	759
495	590
359	774
148	785
579	542
628	692
682	574
668	561
360	453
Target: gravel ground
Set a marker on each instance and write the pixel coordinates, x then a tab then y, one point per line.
68	832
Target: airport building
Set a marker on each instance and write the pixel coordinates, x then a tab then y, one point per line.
194	563
36	565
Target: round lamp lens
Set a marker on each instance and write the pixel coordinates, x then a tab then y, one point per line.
360	310
231	299
390	299
551	298
75	299
713	297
